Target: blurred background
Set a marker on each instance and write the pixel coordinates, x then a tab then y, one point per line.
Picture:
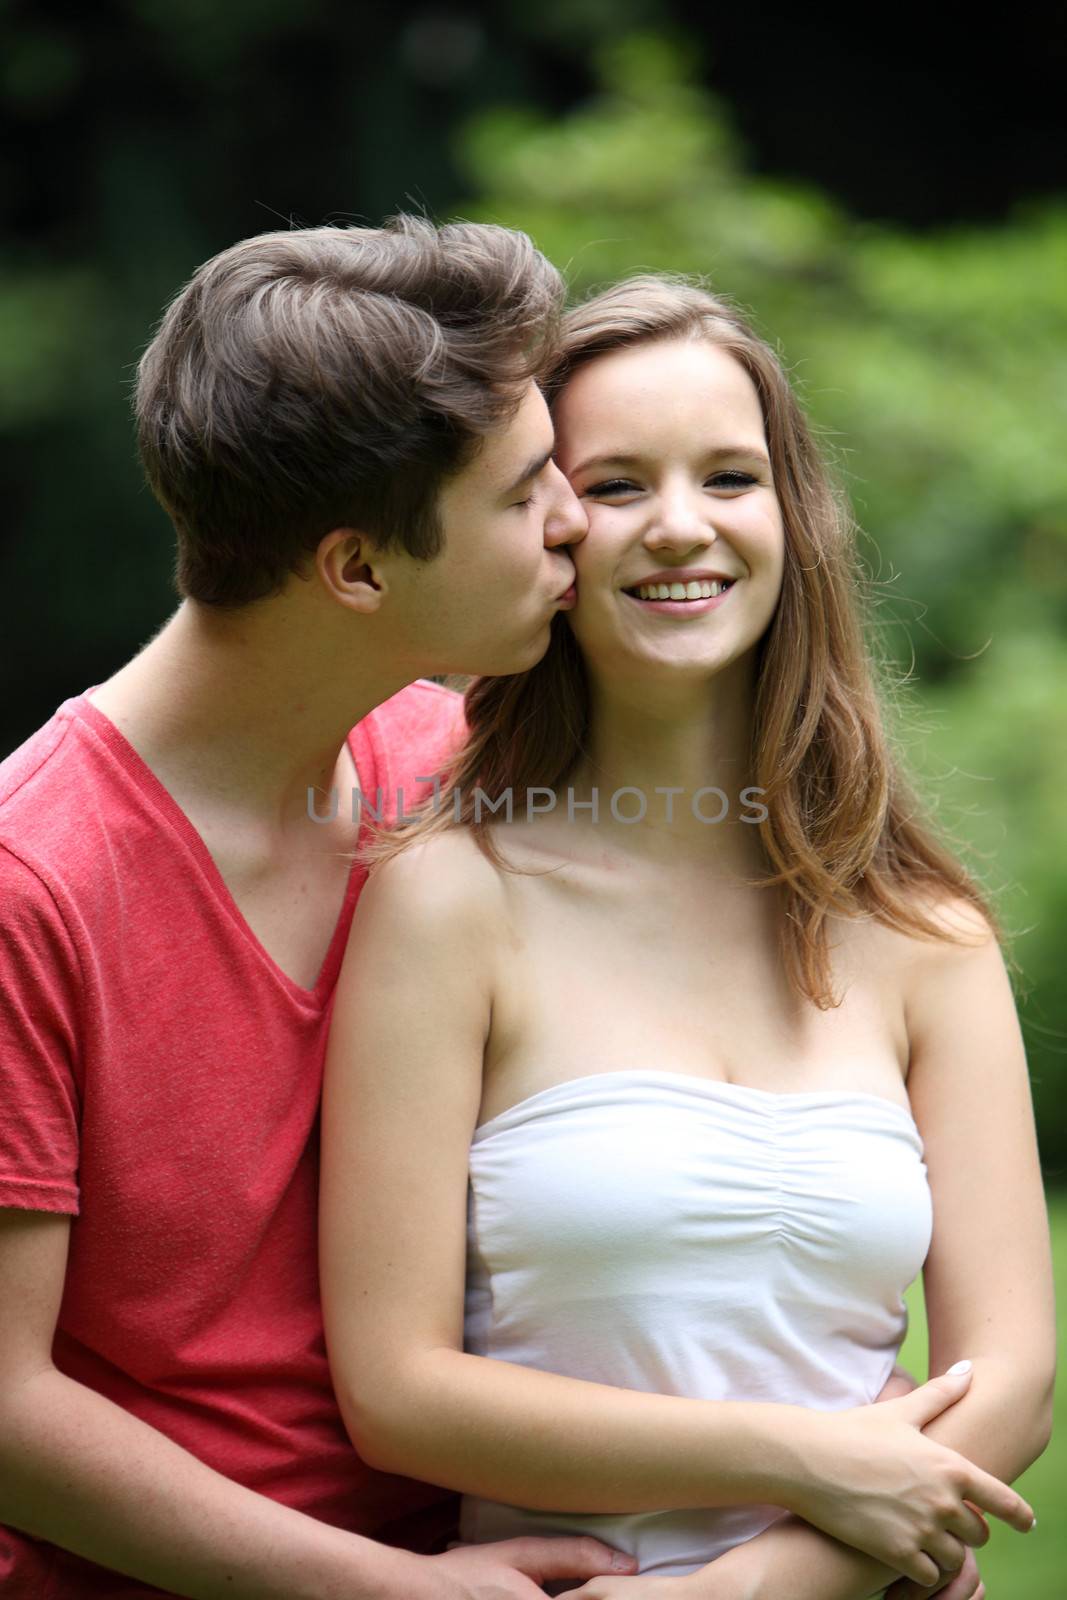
890	205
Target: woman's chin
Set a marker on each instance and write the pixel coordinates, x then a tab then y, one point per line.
677	668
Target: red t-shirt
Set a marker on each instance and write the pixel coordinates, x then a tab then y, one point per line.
159	1082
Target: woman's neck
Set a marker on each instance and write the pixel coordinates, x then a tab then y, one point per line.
671	770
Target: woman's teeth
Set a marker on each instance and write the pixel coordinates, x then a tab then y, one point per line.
680	591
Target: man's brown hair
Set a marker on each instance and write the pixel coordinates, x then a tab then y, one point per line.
333	377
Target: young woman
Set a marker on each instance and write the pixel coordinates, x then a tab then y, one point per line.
718	1035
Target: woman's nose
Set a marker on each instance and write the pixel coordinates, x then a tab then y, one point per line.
681	521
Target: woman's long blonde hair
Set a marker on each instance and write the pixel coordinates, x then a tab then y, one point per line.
845	831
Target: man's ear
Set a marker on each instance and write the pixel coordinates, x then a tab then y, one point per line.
350	566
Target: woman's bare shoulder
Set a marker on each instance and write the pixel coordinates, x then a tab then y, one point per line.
902	963
917	971
442	878
952	922
954	927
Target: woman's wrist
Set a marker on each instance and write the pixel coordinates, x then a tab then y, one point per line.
790	1445
763	1454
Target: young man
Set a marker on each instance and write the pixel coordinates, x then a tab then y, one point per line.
345	431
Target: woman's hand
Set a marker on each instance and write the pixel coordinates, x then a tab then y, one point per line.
963	1585
872	1480
967	1583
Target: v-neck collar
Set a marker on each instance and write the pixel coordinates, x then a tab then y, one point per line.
365	751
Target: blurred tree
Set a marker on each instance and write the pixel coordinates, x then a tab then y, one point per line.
143	135
140	137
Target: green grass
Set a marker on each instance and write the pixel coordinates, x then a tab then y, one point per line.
1023	1566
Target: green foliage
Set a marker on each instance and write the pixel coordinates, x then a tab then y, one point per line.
935	371
47	323
208	38
934	367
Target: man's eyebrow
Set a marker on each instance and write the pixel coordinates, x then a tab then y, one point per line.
531	469
722	452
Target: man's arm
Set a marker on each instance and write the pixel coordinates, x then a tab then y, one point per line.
81	1472
74	1468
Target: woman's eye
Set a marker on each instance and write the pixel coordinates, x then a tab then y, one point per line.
610	486
733	480
614	488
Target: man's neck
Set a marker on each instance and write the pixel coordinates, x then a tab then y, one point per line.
245	709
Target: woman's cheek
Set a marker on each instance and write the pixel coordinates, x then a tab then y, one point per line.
597	552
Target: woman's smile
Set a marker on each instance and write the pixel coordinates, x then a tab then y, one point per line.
681	595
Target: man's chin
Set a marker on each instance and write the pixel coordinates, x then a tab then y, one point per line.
510	659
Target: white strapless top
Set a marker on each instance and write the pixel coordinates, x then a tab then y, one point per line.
674	1234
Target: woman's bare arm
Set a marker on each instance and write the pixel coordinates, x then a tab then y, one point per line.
988	1277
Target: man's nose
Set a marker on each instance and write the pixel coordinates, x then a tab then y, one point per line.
567	522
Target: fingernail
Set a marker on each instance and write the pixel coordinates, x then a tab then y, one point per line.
958	1369
1032	1526
621	1563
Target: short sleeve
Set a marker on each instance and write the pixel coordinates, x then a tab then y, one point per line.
414	735
39	1005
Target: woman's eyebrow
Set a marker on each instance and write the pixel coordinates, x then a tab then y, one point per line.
719	453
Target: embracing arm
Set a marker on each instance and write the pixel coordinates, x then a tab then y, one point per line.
80	1471
76	1469
401	1100
988	1276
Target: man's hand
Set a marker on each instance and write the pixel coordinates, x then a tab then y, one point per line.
515	1569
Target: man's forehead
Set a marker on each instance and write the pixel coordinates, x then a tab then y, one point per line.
505	458
520	449
531	466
